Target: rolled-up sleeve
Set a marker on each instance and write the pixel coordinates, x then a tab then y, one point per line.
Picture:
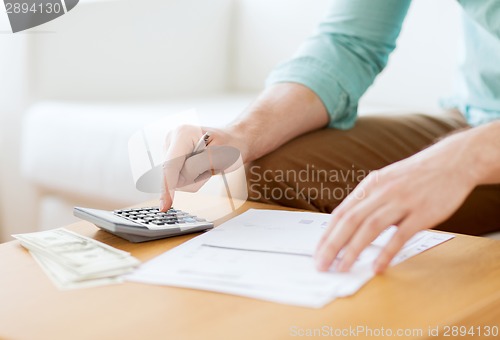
341	60
486	13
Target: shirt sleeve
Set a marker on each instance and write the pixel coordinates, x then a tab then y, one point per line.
486	13
341	60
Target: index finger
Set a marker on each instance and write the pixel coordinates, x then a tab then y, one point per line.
354	198
180	145
397	241
171	170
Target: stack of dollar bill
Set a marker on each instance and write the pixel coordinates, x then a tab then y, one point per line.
75	261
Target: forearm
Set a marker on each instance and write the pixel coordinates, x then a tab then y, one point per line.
484	147
281	113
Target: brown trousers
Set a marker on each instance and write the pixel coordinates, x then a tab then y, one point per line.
317	171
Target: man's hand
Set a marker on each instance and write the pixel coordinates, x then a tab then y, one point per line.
179	144
414	194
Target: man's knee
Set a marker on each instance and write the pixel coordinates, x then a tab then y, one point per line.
285	179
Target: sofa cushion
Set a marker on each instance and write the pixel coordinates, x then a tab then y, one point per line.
81	149
146	49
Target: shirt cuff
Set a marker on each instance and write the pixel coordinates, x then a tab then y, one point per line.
311	73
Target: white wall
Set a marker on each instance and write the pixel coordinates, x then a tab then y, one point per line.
420	71
268	32
422	68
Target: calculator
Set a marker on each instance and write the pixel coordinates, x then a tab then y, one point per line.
144	224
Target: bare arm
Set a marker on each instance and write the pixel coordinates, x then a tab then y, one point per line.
484	146
281	113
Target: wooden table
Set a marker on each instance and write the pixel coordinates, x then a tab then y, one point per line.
456	283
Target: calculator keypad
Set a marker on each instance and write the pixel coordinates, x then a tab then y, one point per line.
152	218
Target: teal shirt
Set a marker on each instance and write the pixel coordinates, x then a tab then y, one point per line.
353	43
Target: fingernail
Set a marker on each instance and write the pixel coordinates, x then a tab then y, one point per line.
162	205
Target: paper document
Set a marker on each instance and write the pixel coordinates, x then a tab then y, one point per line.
267	254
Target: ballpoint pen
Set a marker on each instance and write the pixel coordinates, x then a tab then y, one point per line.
202	143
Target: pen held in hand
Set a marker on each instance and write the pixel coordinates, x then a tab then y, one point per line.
202	143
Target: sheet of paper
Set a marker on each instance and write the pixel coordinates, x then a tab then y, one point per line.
267	254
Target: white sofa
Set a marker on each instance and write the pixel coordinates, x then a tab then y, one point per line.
100	72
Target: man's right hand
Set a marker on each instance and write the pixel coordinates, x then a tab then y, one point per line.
179	145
